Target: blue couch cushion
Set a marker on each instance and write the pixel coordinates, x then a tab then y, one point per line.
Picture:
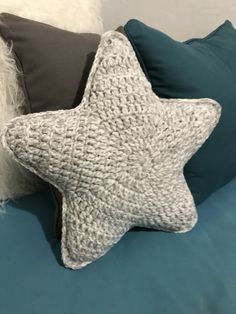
197	68
146	272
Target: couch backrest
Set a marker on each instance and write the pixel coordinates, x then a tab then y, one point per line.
181	19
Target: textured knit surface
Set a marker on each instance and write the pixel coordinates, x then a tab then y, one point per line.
118	158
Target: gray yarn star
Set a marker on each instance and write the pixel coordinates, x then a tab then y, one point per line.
117	158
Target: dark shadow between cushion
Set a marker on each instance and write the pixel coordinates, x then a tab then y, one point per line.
45	216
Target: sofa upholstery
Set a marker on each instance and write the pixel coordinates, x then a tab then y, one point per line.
146	272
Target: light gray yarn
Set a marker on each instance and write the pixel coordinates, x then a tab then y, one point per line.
118	158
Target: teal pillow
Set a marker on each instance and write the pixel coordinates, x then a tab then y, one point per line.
197	68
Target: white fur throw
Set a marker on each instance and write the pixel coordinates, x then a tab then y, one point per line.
78	16
117	158
73	15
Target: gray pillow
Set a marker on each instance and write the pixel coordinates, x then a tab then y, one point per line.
117	158
55	63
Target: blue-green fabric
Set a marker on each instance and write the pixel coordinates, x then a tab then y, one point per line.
146	272
197	68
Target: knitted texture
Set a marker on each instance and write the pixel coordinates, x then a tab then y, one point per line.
118	158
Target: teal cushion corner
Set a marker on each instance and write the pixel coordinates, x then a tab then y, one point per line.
146	272
196	68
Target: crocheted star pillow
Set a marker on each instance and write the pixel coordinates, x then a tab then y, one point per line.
118	158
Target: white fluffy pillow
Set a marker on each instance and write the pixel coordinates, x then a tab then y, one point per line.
73	15
78	16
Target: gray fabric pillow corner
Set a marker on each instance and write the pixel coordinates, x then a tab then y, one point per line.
55	63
